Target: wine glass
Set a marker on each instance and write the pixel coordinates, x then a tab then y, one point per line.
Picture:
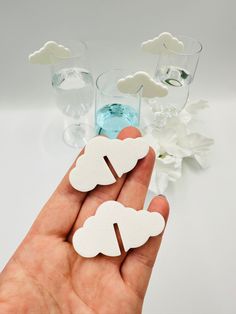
176	70
74	89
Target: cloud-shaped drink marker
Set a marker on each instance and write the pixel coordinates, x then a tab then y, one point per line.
98	234
91	168
159	44
131	84
49	53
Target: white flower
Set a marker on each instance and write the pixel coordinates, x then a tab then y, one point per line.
185	116
166	141
178	126
168	169
199	146
173	141
195	107
192	109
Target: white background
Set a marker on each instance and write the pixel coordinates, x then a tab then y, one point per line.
196	272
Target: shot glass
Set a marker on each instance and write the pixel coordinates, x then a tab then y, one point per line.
115	110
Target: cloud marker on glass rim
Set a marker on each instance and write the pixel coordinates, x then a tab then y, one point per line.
162	43
49	53
131	84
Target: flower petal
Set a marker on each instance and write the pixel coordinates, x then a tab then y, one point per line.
194	108
196	142
167	138
162	182
171	166
185	117
202	160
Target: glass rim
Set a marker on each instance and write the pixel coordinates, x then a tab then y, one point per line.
184	53
76	55
110	95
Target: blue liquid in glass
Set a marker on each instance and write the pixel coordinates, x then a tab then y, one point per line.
112	118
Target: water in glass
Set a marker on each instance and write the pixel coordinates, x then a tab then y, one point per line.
74	91
112	118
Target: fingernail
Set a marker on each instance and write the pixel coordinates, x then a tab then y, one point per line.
161	195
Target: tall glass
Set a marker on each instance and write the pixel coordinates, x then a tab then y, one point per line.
115	110
176	70
74	90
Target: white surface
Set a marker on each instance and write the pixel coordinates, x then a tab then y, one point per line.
91	168
195	273
98	235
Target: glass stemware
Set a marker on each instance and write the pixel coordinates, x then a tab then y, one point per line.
73	85
176	70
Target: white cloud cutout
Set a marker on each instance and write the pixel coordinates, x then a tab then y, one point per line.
131	84
91	169
49	53
98	235
156	45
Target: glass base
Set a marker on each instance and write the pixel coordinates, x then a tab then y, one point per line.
77	135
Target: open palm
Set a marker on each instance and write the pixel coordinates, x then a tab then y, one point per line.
46	275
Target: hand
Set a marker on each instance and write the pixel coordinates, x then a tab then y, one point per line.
46	275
